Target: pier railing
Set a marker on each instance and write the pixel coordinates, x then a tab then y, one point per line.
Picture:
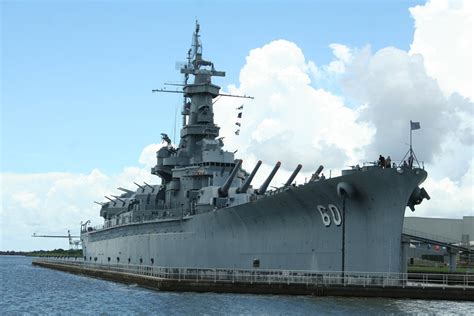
257	276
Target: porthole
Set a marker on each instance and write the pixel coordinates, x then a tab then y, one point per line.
256	263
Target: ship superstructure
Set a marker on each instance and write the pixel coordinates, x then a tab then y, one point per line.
206	213
197	176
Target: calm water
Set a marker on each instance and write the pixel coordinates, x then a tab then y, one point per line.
29	289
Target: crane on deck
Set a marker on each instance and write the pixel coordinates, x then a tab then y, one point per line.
73	244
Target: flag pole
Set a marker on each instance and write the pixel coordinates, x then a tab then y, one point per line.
411	131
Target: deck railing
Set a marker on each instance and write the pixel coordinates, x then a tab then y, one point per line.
258	276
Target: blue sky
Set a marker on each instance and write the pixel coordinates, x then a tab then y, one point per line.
78	118
76	77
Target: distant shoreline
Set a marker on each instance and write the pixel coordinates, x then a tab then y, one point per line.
44	253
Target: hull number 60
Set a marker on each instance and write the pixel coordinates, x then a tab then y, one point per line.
330	211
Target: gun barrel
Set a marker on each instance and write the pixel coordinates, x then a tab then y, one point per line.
224	189
320	168
315	175
124	190
140	186
118	198
293	175
247	181
265	184
151	187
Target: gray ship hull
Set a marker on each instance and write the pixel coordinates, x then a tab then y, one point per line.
283	230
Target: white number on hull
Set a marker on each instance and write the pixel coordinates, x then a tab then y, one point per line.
336	215
326	219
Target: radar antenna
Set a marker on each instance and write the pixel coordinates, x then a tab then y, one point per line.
195	65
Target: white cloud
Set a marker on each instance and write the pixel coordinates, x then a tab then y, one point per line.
392	86
313	69
396	89
148	155
343	56
289	120
292	121
443	36
342	52
267	129
52	203
26	199
443	40
450	199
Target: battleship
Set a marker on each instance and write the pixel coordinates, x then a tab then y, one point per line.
206	212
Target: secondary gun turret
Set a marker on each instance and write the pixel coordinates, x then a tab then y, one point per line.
266	183
247	182
224	189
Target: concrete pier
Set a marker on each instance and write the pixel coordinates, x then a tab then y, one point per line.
404	257
452	259
206	281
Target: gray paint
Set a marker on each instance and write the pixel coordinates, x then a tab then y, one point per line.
185	222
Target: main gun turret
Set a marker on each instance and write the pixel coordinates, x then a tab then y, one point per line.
293	175
265	184
224	189
247	181
315	175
